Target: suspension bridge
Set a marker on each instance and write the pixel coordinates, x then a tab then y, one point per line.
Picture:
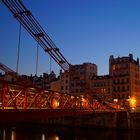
22	100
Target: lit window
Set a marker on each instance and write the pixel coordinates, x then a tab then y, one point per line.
114	67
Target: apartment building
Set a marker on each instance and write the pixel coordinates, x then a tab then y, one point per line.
80	76
64	82
125	73
101	84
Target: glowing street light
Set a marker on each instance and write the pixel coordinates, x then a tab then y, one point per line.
115	100
83	102
132	102
55	103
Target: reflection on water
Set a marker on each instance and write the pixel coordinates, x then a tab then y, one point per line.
4	134
43	137
51	137
13	135
54	137
63	133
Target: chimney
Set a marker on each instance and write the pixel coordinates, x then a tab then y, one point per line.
131	56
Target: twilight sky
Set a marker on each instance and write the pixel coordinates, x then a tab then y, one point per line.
84	30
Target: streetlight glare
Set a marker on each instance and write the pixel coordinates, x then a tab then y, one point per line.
132	102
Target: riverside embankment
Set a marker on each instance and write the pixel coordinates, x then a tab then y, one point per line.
76	118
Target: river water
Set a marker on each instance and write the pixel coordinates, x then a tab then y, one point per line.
65	133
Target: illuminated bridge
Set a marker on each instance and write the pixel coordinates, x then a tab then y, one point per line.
21	100
22	97
21	103
20	94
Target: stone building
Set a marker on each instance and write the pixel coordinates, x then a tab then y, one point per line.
64	82
80	76
61	84
101	84
125	73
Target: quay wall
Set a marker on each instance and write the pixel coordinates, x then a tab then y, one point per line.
111	120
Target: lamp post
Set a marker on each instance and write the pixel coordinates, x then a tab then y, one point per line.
132	103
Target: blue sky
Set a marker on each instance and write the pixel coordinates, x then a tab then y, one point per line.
84	30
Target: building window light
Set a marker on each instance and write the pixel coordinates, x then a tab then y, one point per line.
114	67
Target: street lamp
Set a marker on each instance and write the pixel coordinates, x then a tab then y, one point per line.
55	103
132	103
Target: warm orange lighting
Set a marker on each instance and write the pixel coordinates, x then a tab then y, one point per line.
83	99
115	100
13	135
55	104
132	102
72	97
54	138
84	102
114	67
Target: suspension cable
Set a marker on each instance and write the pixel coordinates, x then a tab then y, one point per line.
29	22
37	59
18	51
50	65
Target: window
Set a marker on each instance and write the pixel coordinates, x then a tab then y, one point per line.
62	88
108	90
114	89
118	81
119	96
66	88
122	81
118	88
114	67
123	88
114	81
127	88
127	80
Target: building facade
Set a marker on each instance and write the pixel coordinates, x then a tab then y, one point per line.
64	82
125	73
101	85
80	76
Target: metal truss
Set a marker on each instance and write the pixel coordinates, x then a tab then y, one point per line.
19	97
